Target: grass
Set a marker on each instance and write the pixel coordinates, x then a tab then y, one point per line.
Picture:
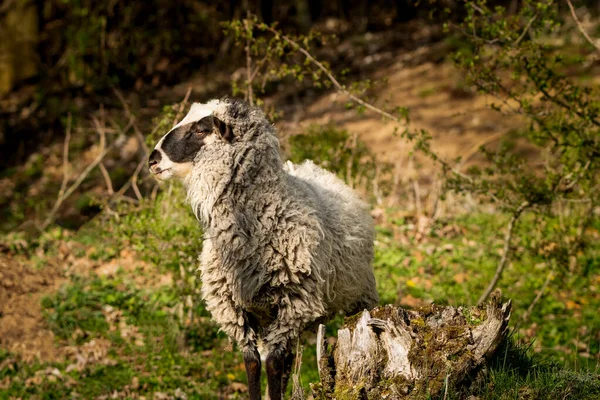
162	340
455	270
178	354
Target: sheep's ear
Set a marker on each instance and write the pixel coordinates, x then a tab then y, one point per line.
224	130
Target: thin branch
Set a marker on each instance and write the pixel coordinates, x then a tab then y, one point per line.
564	105
525	30
122	100
102	153
340	88
570	185
107	180
258	67
350	163
505	253
521	110
132	118
475	148
446	386
141	140
417	194
134	178
331	78
65	180
526	314
580	27
132	182
248	61
182	106
297	391
535	79
120	130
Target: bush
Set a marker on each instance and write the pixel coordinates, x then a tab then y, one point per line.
95	43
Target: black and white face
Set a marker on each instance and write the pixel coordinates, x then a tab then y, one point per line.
174	154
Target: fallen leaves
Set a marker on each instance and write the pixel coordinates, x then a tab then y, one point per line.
89	354
116	321
460	277
412	302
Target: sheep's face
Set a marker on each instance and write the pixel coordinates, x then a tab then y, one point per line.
174	154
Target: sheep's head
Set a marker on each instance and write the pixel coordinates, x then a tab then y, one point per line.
175	152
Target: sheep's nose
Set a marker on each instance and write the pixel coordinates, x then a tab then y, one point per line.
154	158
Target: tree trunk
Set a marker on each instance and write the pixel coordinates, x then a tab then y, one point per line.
392	353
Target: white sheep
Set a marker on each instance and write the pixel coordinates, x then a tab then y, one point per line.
285	246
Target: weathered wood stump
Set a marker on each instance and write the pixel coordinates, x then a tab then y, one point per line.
392	353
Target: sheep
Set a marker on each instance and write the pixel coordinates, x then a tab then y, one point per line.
285	246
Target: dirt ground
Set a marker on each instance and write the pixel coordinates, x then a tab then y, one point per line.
23	329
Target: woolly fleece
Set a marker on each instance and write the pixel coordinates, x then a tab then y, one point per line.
285	246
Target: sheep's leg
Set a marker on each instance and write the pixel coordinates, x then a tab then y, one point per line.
275	372
252	363
231	318
287	370
293	315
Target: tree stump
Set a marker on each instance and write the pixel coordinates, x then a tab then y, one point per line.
393	353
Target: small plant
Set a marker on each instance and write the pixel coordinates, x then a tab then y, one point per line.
515	59
277	59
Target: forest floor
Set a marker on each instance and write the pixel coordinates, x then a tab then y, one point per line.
111	309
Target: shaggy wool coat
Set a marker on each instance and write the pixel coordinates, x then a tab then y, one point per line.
285	246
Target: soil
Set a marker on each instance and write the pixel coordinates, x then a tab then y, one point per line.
458	119
23	329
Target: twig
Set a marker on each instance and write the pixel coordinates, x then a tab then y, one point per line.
102	132
122	100
505	253
342	89
120	130
132	182
61	198
564	105
134	178
376	190
580	27
350	162
297	392
65	180
331	78
109	186
417	194
132	118
533	303
475	148
258	67
574	181
525	30
446	386
248	61
154	192
182	106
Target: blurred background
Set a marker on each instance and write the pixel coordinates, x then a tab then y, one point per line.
471	127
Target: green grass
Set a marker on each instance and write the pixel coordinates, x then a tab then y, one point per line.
455	271
556	348
178	354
